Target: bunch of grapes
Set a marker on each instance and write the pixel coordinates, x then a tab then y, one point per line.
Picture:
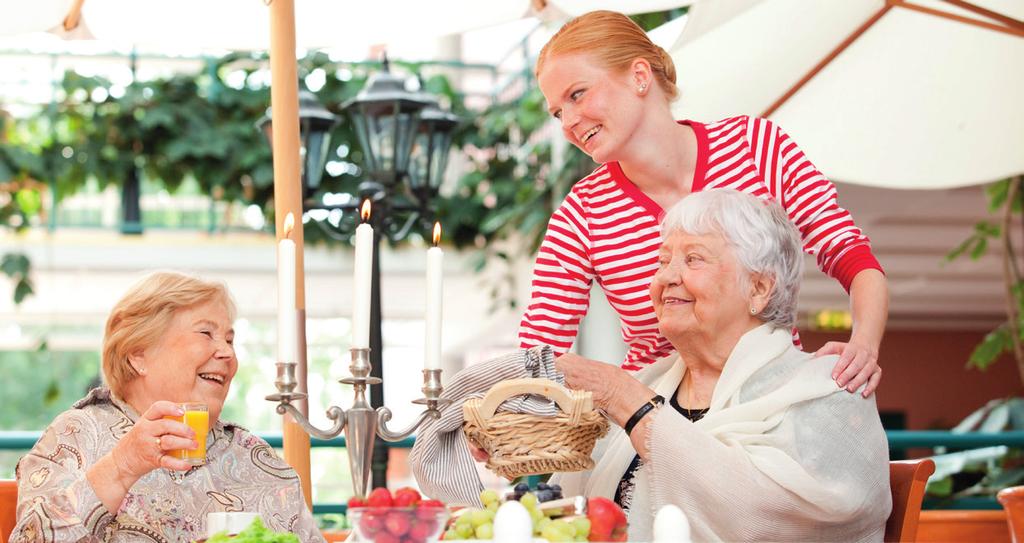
544	492
479	523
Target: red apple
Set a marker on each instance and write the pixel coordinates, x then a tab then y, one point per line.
607	520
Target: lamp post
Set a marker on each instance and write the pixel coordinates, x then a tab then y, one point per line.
405	136
315	125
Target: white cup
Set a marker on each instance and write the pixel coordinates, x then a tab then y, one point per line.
230	522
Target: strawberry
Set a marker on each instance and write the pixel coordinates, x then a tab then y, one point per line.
407	496
397	522
356	502
380	497
385	537
420	531
431	504
370	522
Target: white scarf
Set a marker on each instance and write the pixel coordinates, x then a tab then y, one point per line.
746	425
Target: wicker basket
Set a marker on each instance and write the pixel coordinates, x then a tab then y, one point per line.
523	444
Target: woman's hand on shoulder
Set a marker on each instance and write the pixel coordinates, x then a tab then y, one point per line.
144	448
857	365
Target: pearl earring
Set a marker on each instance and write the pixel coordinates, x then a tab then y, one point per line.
753	311
643	87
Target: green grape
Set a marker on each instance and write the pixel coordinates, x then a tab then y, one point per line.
479	517
540	525
552	533
489	496
465	531
485	531
451	534
581	538
582	527
537	516
529	500
464	519
493	506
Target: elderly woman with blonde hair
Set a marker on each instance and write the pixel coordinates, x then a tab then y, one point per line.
102	470
744	432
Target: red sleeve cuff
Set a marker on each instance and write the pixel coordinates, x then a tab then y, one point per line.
856	260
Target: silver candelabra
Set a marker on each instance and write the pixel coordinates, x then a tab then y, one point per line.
361	423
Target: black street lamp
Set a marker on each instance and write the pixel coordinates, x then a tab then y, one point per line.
386	118
315	125
431	145
404	136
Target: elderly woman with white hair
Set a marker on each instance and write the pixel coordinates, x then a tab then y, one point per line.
748	435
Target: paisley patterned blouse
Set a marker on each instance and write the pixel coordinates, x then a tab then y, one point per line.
242	473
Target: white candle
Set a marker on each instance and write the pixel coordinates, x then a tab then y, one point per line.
287	330
432	343
362	282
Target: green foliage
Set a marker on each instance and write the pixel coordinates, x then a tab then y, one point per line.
201	127
649	21
42	383
983	471
16	266
986	233
976	244
502	204
991	348
255	533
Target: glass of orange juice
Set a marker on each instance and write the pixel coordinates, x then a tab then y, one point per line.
196	417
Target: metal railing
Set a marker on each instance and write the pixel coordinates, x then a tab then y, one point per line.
23	441
898	440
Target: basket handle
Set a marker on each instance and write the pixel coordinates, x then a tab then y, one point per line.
504	390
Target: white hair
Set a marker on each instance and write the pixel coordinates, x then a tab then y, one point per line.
763	239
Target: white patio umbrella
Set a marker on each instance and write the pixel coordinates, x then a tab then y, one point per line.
890	93
243	24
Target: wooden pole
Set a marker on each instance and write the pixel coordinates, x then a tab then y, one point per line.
826	60
284	101
1009	25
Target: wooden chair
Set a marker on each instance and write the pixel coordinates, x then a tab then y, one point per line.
8	507
1013	502
907	480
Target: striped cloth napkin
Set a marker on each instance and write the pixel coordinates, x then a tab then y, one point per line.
440	458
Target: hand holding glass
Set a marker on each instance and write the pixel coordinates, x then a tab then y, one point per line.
196	417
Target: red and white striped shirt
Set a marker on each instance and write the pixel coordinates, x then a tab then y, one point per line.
607	229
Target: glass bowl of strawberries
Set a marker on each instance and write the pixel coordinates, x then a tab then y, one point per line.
402	517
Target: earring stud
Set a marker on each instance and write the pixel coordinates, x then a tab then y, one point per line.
753	311
643	87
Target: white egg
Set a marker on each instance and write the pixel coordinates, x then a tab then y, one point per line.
671	526
512	524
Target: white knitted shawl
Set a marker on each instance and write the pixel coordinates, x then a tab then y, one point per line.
783	454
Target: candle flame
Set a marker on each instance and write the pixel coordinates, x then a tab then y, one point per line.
365	210
289	225
437	233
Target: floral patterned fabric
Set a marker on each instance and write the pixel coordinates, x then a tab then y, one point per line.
242	473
